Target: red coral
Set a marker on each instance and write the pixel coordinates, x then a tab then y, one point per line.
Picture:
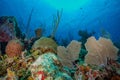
42	75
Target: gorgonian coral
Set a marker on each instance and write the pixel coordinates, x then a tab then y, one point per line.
100	50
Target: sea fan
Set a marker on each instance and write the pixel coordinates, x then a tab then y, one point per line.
100	50
70	54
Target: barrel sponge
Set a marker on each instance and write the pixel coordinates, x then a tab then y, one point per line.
14	48
99	50
45	43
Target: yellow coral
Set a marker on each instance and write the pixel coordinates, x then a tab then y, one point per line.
10	73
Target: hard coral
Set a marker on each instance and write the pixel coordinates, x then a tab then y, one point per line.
45	45
100	50
14	48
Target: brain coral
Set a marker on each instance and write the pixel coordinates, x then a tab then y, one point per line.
100	50
14	48
45	44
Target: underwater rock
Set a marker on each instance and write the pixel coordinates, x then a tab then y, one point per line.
70	54
100	50
14	48
49	67
45	45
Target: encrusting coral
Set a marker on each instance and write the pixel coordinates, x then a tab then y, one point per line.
16	67
14	48
70	54
100	50
85	72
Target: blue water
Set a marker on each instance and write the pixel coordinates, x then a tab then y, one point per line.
77	15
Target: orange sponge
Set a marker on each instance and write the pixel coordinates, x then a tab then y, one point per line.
14	48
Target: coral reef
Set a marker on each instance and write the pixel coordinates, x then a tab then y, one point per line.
70	54
8	30
85	72
45	44
15	67
44	64
14	48
49	68
93	72
48	61
100	50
